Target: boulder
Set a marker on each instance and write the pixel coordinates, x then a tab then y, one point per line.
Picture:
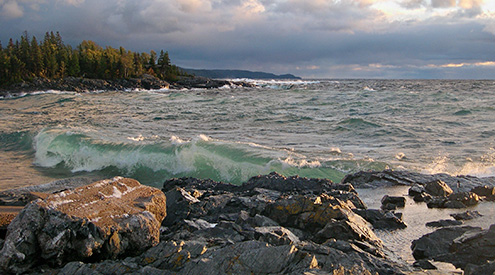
416	190
381	219
106	219
473	247
436	245
438	188
466	198
469	248
397	200
392	202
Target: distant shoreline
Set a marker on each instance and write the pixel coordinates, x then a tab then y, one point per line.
147	82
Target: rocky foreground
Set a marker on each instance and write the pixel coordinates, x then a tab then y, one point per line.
147	82
269	225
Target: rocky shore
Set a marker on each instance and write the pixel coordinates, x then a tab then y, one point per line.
270	224
147	82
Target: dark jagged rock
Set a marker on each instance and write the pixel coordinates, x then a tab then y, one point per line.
468	215
381	219
436	245
455	200
485	192
287	221
469	248
416	190
444	223
466	198
438	188
392	202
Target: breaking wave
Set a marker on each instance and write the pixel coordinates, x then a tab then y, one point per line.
152	161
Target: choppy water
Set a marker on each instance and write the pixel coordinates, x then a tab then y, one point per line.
311	128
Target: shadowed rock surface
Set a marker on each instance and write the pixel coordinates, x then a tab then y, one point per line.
469	248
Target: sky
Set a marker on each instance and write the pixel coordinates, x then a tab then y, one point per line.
400	39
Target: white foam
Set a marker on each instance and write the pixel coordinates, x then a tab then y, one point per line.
301	163
55	204
177	140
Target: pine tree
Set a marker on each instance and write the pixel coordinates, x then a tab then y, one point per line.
73	68
36	65
152	63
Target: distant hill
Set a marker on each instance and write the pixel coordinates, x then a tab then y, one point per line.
238	74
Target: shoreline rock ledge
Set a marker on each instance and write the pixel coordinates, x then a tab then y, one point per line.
270	224
104	220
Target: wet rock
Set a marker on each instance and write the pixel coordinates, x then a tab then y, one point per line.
392	202
423	197
436	245
455	200
466	198
438	188
444	223
473	247
486	192
106	219
416	190
399	201
468	215
381	219
437	202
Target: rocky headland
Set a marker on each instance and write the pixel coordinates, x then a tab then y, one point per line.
270	224
146	82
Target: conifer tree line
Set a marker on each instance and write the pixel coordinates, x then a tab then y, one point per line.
51	58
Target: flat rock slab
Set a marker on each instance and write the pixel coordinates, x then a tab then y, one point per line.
106	219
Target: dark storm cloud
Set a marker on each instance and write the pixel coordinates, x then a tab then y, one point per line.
345	38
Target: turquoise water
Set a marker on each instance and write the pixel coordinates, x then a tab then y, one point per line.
322	129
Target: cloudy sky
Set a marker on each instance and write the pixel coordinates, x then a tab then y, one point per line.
309	38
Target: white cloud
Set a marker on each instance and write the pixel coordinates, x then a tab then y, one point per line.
12	10
470	4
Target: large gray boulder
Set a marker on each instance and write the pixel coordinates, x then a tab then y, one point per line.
106	219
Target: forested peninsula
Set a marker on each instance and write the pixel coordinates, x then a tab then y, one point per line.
27	65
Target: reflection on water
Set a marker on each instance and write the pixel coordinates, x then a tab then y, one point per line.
416	215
